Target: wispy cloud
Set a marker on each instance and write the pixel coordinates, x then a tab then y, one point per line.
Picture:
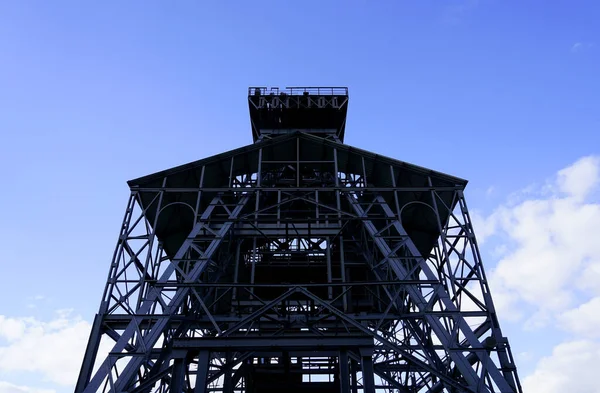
581	46
549	271
550	238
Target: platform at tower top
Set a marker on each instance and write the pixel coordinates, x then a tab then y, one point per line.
319	111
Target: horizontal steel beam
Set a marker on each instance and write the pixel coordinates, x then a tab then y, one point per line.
283	230
269	343
115	321
296	189
301	285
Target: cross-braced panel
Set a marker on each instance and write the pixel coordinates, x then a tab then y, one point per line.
298	264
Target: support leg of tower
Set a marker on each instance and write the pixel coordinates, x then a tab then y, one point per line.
344	372
228	377
178	376
366	359
353	376
402	273
90	354
202	373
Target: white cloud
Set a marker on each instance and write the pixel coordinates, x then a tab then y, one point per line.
483	226
546	240
584	320
579	179
10	328
572	367
6	387
551	237
51	349
590	278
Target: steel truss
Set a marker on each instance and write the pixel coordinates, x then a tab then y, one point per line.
301	266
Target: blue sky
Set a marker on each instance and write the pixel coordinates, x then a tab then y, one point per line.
503	93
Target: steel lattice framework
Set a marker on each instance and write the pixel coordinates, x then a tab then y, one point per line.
296	263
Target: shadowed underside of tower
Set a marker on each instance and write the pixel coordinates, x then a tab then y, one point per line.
297	264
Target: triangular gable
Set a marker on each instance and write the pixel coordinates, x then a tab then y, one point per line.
245	158
215	172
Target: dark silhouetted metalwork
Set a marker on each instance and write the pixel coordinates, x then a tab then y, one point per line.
297	264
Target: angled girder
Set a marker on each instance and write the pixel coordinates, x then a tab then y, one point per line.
476	382
297	238
152	335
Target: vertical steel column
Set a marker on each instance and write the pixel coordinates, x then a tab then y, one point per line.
298	162
202	373
344	372
259	170
329	278
253	266
178	376
353	375
231	172
364	173
151	239
236	269
227	376
278	208
317	207
368	374
256	207
343	274
397	203
199	197
337	186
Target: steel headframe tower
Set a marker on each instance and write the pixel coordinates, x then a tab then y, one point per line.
297	264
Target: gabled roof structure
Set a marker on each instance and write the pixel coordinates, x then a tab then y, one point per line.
217	174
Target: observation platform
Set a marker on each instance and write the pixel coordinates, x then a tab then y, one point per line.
320	111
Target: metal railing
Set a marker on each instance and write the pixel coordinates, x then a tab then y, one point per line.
297	91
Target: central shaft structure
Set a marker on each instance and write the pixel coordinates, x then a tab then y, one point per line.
297	264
